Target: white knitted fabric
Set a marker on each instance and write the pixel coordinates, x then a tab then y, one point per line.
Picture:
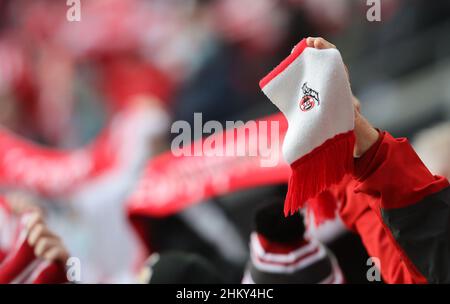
323	72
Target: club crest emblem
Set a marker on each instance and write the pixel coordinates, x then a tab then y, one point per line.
310	98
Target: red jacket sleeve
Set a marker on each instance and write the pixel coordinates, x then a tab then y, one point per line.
401	211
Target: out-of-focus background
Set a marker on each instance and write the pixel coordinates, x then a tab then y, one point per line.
62	82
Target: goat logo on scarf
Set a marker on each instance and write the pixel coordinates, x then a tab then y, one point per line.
309	99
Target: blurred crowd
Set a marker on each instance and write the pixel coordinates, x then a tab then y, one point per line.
85	105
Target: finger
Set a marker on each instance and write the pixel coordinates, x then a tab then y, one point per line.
34	219
310	42
43	245
56	253
319	43
39	231
357	104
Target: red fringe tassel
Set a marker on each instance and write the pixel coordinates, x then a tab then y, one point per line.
323	207
323	167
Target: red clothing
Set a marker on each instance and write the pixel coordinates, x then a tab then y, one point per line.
18	263
126	77
389	181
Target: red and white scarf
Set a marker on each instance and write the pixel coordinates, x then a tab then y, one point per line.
312	90
53	172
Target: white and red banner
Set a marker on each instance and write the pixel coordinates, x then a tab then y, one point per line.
172	183
53	172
